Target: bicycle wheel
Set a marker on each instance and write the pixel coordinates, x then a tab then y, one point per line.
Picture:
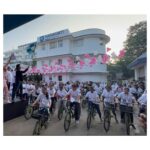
67	121
127	122
107	120
37	128
83	103
60	112
28	112
89	121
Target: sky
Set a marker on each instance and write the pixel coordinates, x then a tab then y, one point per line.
115	26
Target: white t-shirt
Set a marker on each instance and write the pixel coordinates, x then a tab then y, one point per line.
126	99
74	95
9	76
108	96
51	92
31	89
93	97
39	90
62	93
43	101
143	99
133	90
25	88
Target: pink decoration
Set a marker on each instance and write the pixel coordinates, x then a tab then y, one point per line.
121	54
108	49
93	61
87	56
105	58
82	63
45	65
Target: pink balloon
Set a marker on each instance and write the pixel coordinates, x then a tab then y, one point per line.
87	56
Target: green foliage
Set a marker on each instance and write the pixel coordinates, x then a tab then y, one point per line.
136	42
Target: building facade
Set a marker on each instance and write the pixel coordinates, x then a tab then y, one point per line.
139	65
63	45
60	46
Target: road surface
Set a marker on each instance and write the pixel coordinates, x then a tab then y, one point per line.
21	126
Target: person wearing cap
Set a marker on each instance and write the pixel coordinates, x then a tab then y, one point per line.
18	81
75	95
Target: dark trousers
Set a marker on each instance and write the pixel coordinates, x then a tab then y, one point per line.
96	106
17	89
127	109
53	103
77	110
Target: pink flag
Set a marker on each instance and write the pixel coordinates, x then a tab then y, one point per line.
108	49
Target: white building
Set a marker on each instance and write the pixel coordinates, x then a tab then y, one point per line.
60	46
139	65
21	54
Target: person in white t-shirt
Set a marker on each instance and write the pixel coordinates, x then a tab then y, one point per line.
44	102
126	104
25	90
75	95
93	100
61	95
108	97
52	92
143	103
31	90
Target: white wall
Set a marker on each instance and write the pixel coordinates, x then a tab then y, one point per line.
89	77
89	46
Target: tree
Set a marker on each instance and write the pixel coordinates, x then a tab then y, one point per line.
136	42
135	45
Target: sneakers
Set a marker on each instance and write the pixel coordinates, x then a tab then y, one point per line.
77	122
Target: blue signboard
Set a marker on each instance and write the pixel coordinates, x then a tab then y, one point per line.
54	35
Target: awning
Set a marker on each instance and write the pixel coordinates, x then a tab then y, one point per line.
138	61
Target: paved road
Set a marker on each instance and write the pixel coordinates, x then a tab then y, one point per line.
21	126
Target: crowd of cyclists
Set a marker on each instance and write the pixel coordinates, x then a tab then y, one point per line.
50	94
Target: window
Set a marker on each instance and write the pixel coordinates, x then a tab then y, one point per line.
52	45
43	46
59	78
78	43
60	43
42	62
59	61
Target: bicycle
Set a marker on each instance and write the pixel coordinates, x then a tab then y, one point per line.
128	121
68	117
53	105
84	102
91	114
107	116
61	109
29	108
42	117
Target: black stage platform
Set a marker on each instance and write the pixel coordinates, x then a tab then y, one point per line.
14	110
